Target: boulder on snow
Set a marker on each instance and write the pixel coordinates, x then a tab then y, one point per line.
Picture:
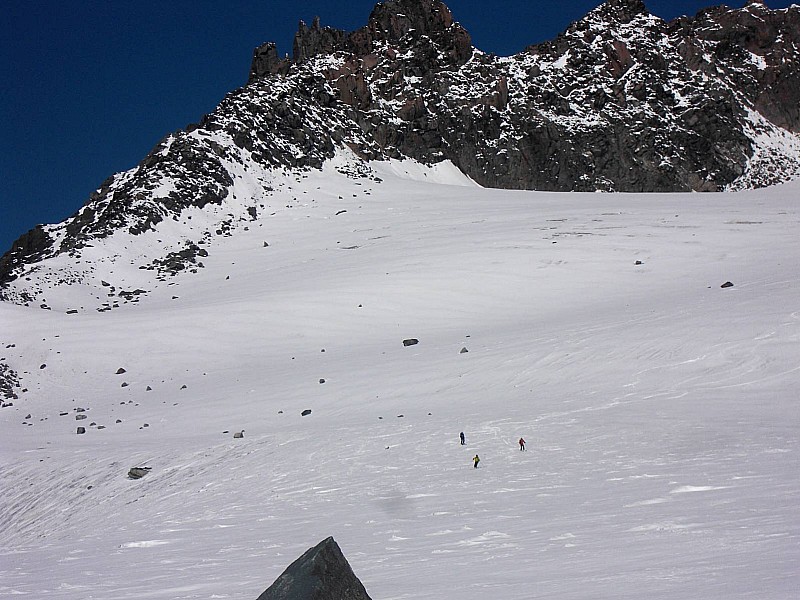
321	573
306	412
81	430
238	435
727	284
410	342
138	472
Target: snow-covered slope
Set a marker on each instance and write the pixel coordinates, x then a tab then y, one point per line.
660	409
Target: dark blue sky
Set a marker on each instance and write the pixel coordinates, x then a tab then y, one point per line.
92	85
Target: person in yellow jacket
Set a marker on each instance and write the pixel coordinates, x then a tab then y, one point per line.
476	460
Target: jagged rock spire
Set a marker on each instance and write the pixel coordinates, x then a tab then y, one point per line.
314	40
266	61
395	18
389	22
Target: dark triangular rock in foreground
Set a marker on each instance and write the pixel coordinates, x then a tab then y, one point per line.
321	573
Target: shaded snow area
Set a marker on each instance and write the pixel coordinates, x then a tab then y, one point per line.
660	409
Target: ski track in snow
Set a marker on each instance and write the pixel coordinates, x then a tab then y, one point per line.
660	411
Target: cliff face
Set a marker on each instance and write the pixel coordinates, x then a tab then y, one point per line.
621	101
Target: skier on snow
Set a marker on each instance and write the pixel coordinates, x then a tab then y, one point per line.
461	436
476	460
521	444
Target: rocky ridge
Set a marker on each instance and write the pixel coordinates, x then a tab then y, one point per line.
621	101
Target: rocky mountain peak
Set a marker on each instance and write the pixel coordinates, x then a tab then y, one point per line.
621	101
622	11
400	24
404	23
393	19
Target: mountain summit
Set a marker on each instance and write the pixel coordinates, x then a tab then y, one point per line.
620	101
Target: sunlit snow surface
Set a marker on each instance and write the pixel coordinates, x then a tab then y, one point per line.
661	410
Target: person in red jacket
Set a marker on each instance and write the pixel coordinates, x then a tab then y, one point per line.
521	444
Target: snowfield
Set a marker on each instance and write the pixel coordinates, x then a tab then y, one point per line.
660	409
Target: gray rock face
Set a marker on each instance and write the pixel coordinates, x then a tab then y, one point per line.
321	573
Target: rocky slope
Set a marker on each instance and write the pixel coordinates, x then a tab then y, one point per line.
621	101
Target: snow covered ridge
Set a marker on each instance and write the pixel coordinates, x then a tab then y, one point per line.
621	101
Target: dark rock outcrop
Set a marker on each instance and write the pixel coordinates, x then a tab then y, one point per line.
138	472
266	62
30	247
9	382
321	573
754	49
